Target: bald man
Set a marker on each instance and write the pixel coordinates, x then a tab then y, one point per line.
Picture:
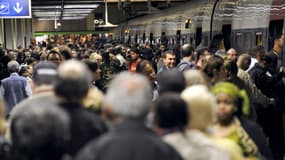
71	89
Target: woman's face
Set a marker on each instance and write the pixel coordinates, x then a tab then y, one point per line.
225	108
149	72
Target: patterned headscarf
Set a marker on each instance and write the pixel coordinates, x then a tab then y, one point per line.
234	92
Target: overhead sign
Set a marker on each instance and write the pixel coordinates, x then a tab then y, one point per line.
15	9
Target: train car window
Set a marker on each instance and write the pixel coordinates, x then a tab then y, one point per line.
258	39
243	41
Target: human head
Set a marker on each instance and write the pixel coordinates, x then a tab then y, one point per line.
96	57
187	50
231	101
73	82
279	41
13	66
128	96
270	62
195	77
45	73
231	68
244	61
134	53
40	131
258	52
215	69
171	112
202	104
31	61
54	56
94	69
171	81
145	67
169	59
65	52
25	71
232	54
146	53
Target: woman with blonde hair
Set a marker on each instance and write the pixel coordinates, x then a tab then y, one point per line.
202	104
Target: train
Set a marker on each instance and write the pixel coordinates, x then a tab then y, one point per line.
244	24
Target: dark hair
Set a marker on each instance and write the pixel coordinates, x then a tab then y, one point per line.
187	50
214	63
215	43
30	60
231	68
54	52
171	81
72	90
277	36
142	65
23	69
171	52
92	65
65	52
256	51
39	132
171	111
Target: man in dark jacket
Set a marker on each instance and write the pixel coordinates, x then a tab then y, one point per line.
72	86
126	104
269	84
187	50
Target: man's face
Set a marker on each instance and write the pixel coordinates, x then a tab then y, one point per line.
232	54
134	56
280	41
170	61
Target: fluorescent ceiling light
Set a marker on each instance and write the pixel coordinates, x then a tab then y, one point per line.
69	6
47	7
63	18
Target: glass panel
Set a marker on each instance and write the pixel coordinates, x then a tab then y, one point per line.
258	39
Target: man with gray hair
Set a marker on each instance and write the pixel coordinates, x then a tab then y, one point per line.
44	79
126	104
14	88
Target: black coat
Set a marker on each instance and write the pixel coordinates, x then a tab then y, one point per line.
129	140
256	133
85	126
263	81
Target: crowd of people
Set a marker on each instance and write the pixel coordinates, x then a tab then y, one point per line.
90	98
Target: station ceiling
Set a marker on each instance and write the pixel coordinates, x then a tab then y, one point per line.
74	9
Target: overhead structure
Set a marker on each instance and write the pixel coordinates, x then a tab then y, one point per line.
107	23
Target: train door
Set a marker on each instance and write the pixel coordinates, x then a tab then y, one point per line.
178	37
151	38
198	36
275	28
226	31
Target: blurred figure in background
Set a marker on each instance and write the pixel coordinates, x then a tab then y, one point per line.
126	104
145	68
232	108
15	88
71	88
202	106
39	131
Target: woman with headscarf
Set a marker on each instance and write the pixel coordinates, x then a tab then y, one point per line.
232	109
